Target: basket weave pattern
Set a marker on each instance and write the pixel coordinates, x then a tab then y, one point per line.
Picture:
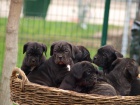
24	92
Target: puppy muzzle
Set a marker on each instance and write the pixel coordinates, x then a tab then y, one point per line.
62	60
94	59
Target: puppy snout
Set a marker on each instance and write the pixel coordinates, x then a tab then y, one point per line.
94	58
33	60
60	57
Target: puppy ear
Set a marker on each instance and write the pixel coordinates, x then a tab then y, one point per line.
115	63
78	74
52	47
132	73
74	50
85	53
118	54
44	48
25	47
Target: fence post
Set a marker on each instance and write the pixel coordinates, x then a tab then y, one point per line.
105	22
126	28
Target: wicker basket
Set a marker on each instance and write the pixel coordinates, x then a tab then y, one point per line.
24	92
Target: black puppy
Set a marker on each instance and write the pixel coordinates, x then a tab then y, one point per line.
81	54
84	78
52	72
34	56
105	56
124	72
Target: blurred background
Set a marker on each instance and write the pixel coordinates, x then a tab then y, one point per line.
91	23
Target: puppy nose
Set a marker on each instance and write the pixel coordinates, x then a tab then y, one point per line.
60	57
94	59
33	60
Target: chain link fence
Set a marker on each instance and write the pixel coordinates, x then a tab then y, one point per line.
77	21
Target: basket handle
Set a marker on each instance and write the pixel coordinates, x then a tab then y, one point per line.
15	74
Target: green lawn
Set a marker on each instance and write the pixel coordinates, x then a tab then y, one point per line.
34	29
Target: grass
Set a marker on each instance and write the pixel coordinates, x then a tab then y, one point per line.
34	29
55	28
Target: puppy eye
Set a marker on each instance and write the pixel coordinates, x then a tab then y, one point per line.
54	50
28	54
88	72
104	55
66	51
39	55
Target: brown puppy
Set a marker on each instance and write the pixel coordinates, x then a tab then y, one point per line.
34	56
124	72
52	72
85	78
105	56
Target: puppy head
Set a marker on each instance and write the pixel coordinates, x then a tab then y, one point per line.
34	52
62	52
105	56
83	54
84	73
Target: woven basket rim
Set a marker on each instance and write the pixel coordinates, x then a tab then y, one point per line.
24	82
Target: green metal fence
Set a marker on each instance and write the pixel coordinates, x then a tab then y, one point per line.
81	22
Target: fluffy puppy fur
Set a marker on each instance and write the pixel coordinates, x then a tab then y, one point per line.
84	78
34	56
53	71
124	72
105	56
